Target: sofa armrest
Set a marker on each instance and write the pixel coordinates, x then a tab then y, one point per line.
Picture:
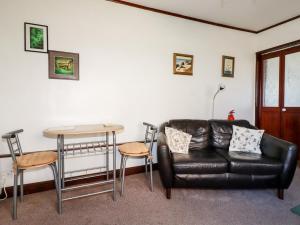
164	161
286	152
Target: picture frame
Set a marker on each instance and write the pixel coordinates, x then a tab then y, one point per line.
35	38
228	66
183	64
63	65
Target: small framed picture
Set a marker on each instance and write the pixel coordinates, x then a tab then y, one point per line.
63	65
227	66
36	37
183	64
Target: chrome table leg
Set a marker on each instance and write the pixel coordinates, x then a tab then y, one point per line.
60	147
107	156
114	165
62	168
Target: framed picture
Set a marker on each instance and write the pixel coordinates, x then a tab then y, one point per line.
63	65
182	64
227	66
36	37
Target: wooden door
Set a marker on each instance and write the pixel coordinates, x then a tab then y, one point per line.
290	115
279	94
270	113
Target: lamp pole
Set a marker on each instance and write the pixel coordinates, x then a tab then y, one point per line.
221	87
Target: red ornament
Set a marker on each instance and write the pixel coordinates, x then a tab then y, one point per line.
231	115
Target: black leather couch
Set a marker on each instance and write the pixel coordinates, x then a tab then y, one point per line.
210	165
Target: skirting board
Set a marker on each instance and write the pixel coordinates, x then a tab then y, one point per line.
49	185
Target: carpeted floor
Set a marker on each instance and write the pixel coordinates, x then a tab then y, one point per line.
139	206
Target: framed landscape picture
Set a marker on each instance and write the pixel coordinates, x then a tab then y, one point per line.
227	66
182	64
63	65
36	37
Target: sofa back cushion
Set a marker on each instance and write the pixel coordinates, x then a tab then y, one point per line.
221	131
199	129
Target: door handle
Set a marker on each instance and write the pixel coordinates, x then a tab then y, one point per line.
283	109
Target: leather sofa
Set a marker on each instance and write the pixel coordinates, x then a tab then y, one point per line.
209	164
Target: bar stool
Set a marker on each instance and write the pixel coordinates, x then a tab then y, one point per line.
28	161
138	150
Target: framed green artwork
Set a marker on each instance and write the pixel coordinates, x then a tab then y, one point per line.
36	37
63	65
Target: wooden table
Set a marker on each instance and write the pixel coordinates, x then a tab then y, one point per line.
80	131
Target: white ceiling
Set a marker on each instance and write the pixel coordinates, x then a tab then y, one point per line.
247	14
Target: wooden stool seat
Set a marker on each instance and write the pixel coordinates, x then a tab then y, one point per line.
136	155
134	149
36	159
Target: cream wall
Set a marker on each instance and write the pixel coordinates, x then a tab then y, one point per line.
125	71
285	33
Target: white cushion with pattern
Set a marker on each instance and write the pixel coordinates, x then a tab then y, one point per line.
177	140
245	140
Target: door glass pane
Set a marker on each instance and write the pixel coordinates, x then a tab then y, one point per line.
271	82
292	80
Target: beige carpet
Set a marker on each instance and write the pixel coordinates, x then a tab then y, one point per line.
140	206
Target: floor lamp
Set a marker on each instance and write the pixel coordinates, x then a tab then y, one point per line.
221	87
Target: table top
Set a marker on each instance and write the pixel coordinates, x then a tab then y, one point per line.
89	130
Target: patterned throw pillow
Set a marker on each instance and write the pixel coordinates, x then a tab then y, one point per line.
177	140
245	140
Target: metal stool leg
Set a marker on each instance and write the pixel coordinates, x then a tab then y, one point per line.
121	168
54	170
21	185
63	170
123	174
151	177
146	166
14	208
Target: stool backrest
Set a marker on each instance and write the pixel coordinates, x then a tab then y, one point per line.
151	131
13	143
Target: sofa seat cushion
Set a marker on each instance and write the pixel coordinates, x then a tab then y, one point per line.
205	161
251	163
